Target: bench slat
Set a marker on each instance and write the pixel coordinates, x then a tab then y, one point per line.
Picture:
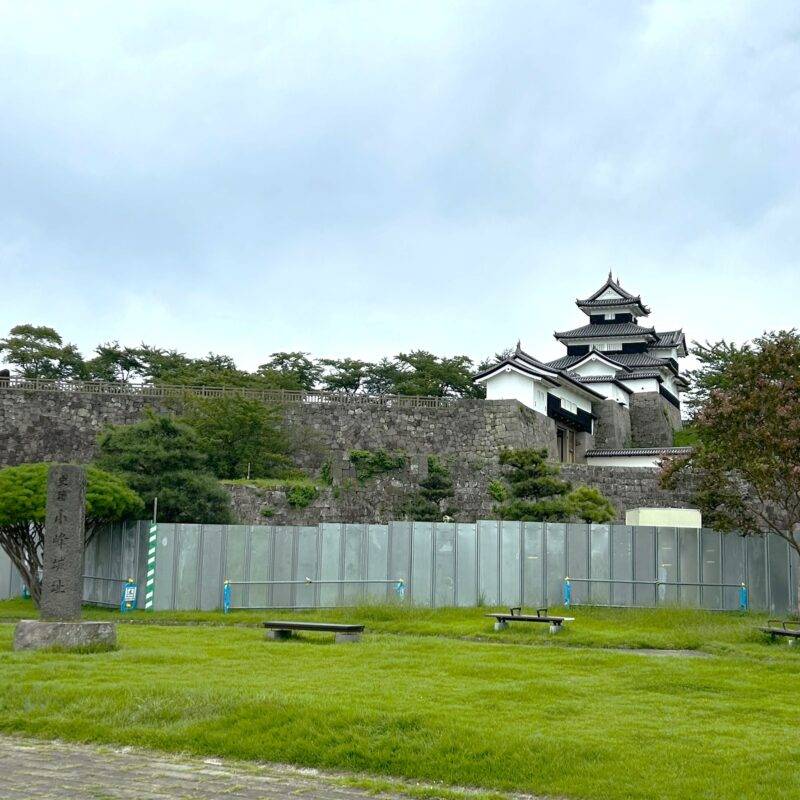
335	627
527	618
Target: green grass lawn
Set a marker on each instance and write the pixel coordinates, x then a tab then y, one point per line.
439	696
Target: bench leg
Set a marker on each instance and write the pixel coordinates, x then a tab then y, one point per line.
500	625
555	629
278	634
344	638
792	641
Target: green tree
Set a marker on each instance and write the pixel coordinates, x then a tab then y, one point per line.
346	375
164	458
590	505
293	370
423	373
381	378
425	505
537	494
39	352
114	363
241	437
23	500
745	464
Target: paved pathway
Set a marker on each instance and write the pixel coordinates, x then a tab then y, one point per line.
37	770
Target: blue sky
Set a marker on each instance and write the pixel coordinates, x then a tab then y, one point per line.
364	178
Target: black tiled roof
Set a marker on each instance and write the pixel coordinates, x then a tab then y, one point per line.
643	451
609	301
630	360
633	360
610	329
610	284
669	338
605	379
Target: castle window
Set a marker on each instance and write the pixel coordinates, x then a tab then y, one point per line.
568	405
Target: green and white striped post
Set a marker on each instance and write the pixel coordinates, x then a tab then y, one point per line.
150	583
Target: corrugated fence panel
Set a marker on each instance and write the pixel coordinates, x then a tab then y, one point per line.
441	564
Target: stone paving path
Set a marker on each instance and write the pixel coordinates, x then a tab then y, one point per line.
38	770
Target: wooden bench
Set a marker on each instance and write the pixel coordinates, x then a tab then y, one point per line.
516	615
283	629
791	634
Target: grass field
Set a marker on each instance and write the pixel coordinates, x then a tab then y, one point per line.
439	696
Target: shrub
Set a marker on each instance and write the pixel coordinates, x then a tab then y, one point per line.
162	457
536	493
301	495
498	490
369	463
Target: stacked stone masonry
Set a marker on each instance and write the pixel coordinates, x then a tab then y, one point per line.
466	436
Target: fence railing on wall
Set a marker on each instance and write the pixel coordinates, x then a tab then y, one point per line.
158	391
446	564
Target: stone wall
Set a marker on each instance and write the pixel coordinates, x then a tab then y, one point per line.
471	430
58	426
653	420
630	487
612	427
381	499
467	437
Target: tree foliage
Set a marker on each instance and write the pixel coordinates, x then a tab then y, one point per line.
746	461
163	457
23	500
37	351
241	437
425	505
536	493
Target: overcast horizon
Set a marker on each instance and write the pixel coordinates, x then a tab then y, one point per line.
365	178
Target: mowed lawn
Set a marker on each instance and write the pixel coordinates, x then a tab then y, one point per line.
438	696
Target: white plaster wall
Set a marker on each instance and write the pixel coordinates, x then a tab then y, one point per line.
595	367
511	385
616	340
575	397
666	517
613	392
665	352
671	386
623	461
642	384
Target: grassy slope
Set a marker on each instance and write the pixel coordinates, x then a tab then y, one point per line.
578	722
597	627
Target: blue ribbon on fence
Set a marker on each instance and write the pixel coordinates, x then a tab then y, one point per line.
744	599
567	592
226	598
127	600
400	588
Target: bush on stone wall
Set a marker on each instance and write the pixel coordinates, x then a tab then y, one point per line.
536	493
369	463
425	505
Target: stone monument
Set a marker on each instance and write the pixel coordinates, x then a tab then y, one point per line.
60	624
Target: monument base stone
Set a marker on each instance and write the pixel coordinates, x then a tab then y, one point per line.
33	634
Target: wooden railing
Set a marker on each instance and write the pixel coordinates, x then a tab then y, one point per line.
158	391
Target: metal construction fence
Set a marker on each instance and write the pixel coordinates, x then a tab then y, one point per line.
440	564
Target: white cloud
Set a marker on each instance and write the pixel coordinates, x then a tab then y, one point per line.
367	177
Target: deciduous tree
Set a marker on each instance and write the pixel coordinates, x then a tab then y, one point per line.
39	352
746	463
23	500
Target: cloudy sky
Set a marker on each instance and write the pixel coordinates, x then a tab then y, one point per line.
364	178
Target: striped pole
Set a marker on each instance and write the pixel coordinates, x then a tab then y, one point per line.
150	584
